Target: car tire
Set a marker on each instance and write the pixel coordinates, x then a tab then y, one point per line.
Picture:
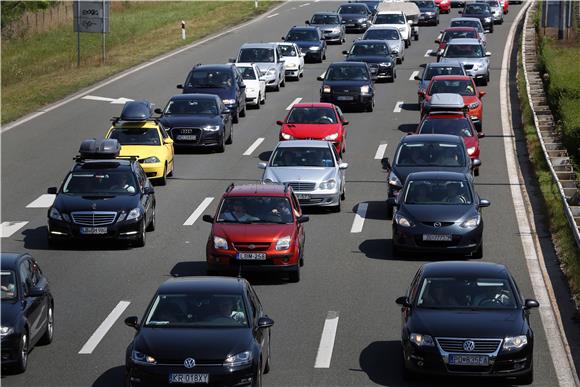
259	102
231	136
323	56
408	375
395	250
235	118
49	333
283	82
392	79
389	211
170	174
257	382
407	43
263	101
527	378
163	179
343	194
370	107
151	225
478	254
476	172
53	243
22	360
294	276
399	60
221	147
243	112
268	360
142	238
336	208
484	81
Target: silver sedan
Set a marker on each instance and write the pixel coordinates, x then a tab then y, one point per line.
472	55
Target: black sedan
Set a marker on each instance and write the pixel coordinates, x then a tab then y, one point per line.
310	40
27	309
348	84
468	319
356	17
197	120
377	55
208	330
429	152
429	12
438	212
480	11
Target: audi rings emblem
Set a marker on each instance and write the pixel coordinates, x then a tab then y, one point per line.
190	363
468	345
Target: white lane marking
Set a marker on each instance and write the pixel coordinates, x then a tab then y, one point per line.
43	201
316	1
294	102
549	313
115	101
359	218
9	228
413	75
304	5
381	151
398	106
324	354
253	147
292	9
102	330
428	53
133	70
272	15
198	211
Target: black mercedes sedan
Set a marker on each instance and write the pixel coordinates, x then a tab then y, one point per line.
207	330
348	84
481	11
429	152
377	54
356	17
467	319
438	212
197	120
27	309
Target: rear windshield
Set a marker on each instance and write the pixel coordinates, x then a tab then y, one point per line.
136	136
302	157
461	87
454	126
191	106
256	55
380	34
313	115
430	154
448	70
389	18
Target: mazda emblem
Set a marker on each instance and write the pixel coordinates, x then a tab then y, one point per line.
251	247
190	363
437	224
468	345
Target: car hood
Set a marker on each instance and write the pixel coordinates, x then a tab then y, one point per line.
464	61
467	323
189	121
143	151
95	202
265	66
288	174
438	213
11	310
326	26
307	43
352	17
370	58
313	131
479	16
222	92
403	172
257	232
199	344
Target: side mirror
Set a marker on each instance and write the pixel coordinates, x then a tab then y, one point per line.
484	203
37	292
320	78
385	163
410	22
262	79
475	163
265	322
480	135
437	40
179	86
283	38
158	111
482	93
262	165
280	122
52	190
403	301
231	60
529	304
207	218
242	86
487	53
148	190
302	54
167	141
303	219
345	122
343	166
132	322
421	93
344	52
307	22
417	78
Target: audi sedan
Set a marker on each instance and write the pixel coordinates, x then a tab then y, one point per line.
467	319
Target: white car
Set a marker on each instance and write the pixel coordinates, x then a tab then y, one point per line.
255	84
395	19
269	60
293	59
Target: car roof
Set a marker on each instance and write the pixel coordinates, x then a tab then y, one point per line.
382	27
303	144
210	285
444	64
436	175
187	96
313	104
256	190
258	45
464	41
447	100
464	268
9	260
465	18
345	4
304	28
217	66
432	138
390	12
102	164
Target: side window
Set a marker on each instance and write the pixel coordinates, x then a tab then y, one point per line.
414	286
25	276
141	177
296	205
340	116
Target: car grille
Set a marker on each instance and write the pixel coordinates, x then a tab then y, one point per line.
374	68
328	32
251	246
93	218
440	224
346	90
481	345
467	66
302	186
179	362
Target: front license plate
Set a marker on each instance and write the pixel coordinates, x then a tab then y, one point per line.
303	196
93	230
189	378
187	137
469	360
345	98
437	237
350	25
251	256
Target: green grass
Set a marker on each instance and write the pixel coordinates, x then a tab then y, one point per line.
41	68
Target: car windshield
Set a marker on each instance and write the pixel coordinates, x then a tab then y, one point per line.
347	73
464	51
467	23
191	106
466	293
136	136
380	34
287	50
439	192
302	157
493	4
389	18
302	35
448	35
255	209
454	126
448	70
352	9
362	49
474	9
8	287
110	182
211	78
459	86
424	4
256	55
314	115
430	154
248	73
197	311
324	19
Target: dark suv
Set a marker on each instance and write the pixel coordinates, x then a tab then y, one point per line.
310	40
348	84
223	80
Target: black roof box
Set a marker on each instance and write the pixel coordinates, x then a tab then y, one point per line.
99	149
137	111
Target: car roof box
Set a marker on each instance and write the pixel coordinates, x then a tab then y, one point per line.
99	149
446	102
137	111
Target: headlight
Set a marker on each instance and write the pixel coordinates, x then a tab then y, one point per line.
314	48
54	214
331	137
487	19
362	20
394	180
240	359
272	71
473	105
139	357
283	243
220	243
402	221
5	331
268	181
516	342
135	213
364	89
475	66
329	184
326	89
151	160
287	136
474	118
471	150
211	128
386	64
472	222
395	50
229	101
422	340
291	65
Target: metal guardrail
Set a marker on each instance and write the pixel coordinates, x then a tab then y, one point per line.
555	153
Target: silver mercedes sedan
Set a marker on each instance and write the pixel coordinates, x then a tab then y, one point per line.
312	168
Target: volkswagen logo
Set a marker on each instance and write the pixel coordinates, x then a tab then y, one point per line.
251	247
437	224
190	363
468	345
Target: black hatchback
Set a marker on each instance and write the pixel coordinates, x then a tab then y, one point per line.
27	309
207	330
348	84
377	54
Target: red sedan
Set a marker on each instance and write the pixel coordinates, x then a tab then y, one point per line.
505	5
444	5
463	85
455	33
315	121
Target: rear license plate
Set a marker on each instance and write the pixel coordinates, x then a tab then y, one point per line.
303	196
93	230
469	360
189	378
187	137
251	256
437	237
345	98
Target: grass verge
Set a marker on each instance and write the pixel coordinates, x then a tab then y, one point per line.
40	69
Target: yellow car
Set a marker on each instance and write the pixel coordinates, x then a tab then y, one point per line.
143	137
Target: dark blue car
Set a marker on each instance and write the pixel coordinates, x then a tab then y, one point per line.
310	40
348	84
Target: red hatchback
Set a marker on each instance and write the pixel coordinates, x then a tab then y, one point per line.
444	5
257	227
315	121
455	33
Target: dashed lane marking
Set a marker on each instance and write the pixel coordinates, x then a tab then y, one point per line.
198	211
296	100
413	75
381	151
253	147
398	107
105	326
272	15
428	53
43	201
324	355
359	218
7	229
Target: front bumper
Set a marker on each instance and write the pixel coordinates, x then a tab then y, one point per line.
463	240
333	36
427	19
203	138
382	73
124	230
153	170
310	55
480	73
276	260
10	349
347	99
309	199
271	79
356	26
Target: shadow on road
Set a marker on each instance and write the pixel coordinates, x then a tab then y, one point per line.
382	249
265	156
113	377
37	239
407	128
189	268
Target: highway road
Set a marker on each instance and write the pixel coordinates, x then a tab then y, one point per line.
347	274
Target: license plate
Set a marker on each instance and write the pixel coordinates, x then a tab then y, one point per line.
349	25
251	256
189	378
303	196
437	237
469	360
93	230
187	137
345	98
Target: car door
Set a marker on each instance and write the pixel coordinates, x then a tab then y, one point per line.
279	63
261	82
32	306
147	197
240	89
299	226
41	282
168	146
342	127
226	118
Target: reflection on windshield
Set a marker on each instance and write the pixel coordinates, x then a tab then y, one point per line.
363	49
464	51
312	116
461	87
8	286
455	126
302	157
352	9
192	106
256	209
324	19
302	35
458	35
114	182
430	155
211	79
475	9
389	18
451	70
437	192
256	55
347	73
136	136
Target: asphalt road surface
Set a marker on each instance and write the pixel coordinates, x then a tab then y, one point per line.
350	273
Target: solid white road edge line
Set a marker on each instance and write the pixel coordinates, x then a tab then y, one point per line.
413	75
381	151
359	218
296	100
398	106
324	354
43	201
253	147
555	338
198	211
102	330
7	229
272	15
